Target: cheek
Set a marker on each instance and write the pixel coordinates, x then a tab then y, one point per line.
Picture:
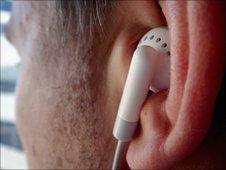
41	111
60	118
32	113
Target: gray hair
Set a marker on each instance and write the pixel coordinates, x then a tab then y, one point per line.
87	16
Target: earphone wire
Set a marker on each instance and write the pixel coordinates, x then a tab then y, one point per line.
120	155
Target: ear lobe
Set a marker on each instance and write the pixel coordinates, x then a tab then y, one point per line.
173	126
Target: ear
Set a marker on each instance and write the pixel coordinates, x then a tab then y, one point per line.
174	123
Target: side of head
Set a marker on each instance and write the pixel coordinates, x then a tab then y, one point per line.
75	58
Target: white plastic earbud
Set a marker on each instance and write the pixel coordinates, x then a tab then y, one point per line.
146	72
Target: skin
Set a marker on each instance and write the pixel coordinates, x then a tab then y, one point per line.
67	99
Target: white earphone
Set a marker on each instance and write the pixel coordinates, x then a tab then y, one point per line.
146	72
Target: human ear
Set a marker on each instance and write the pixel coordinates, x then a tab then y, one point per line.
174	122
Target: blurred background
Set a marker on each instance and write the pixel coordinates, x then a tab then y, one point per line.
12	155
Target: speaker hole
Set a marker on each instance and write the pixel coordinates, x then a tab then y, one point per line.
158	39
164	45
151	37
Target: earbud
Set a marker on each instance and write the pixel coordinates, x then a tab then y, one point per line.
147	71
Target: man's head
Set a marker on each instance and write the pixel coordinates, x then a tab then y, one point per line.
75	57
